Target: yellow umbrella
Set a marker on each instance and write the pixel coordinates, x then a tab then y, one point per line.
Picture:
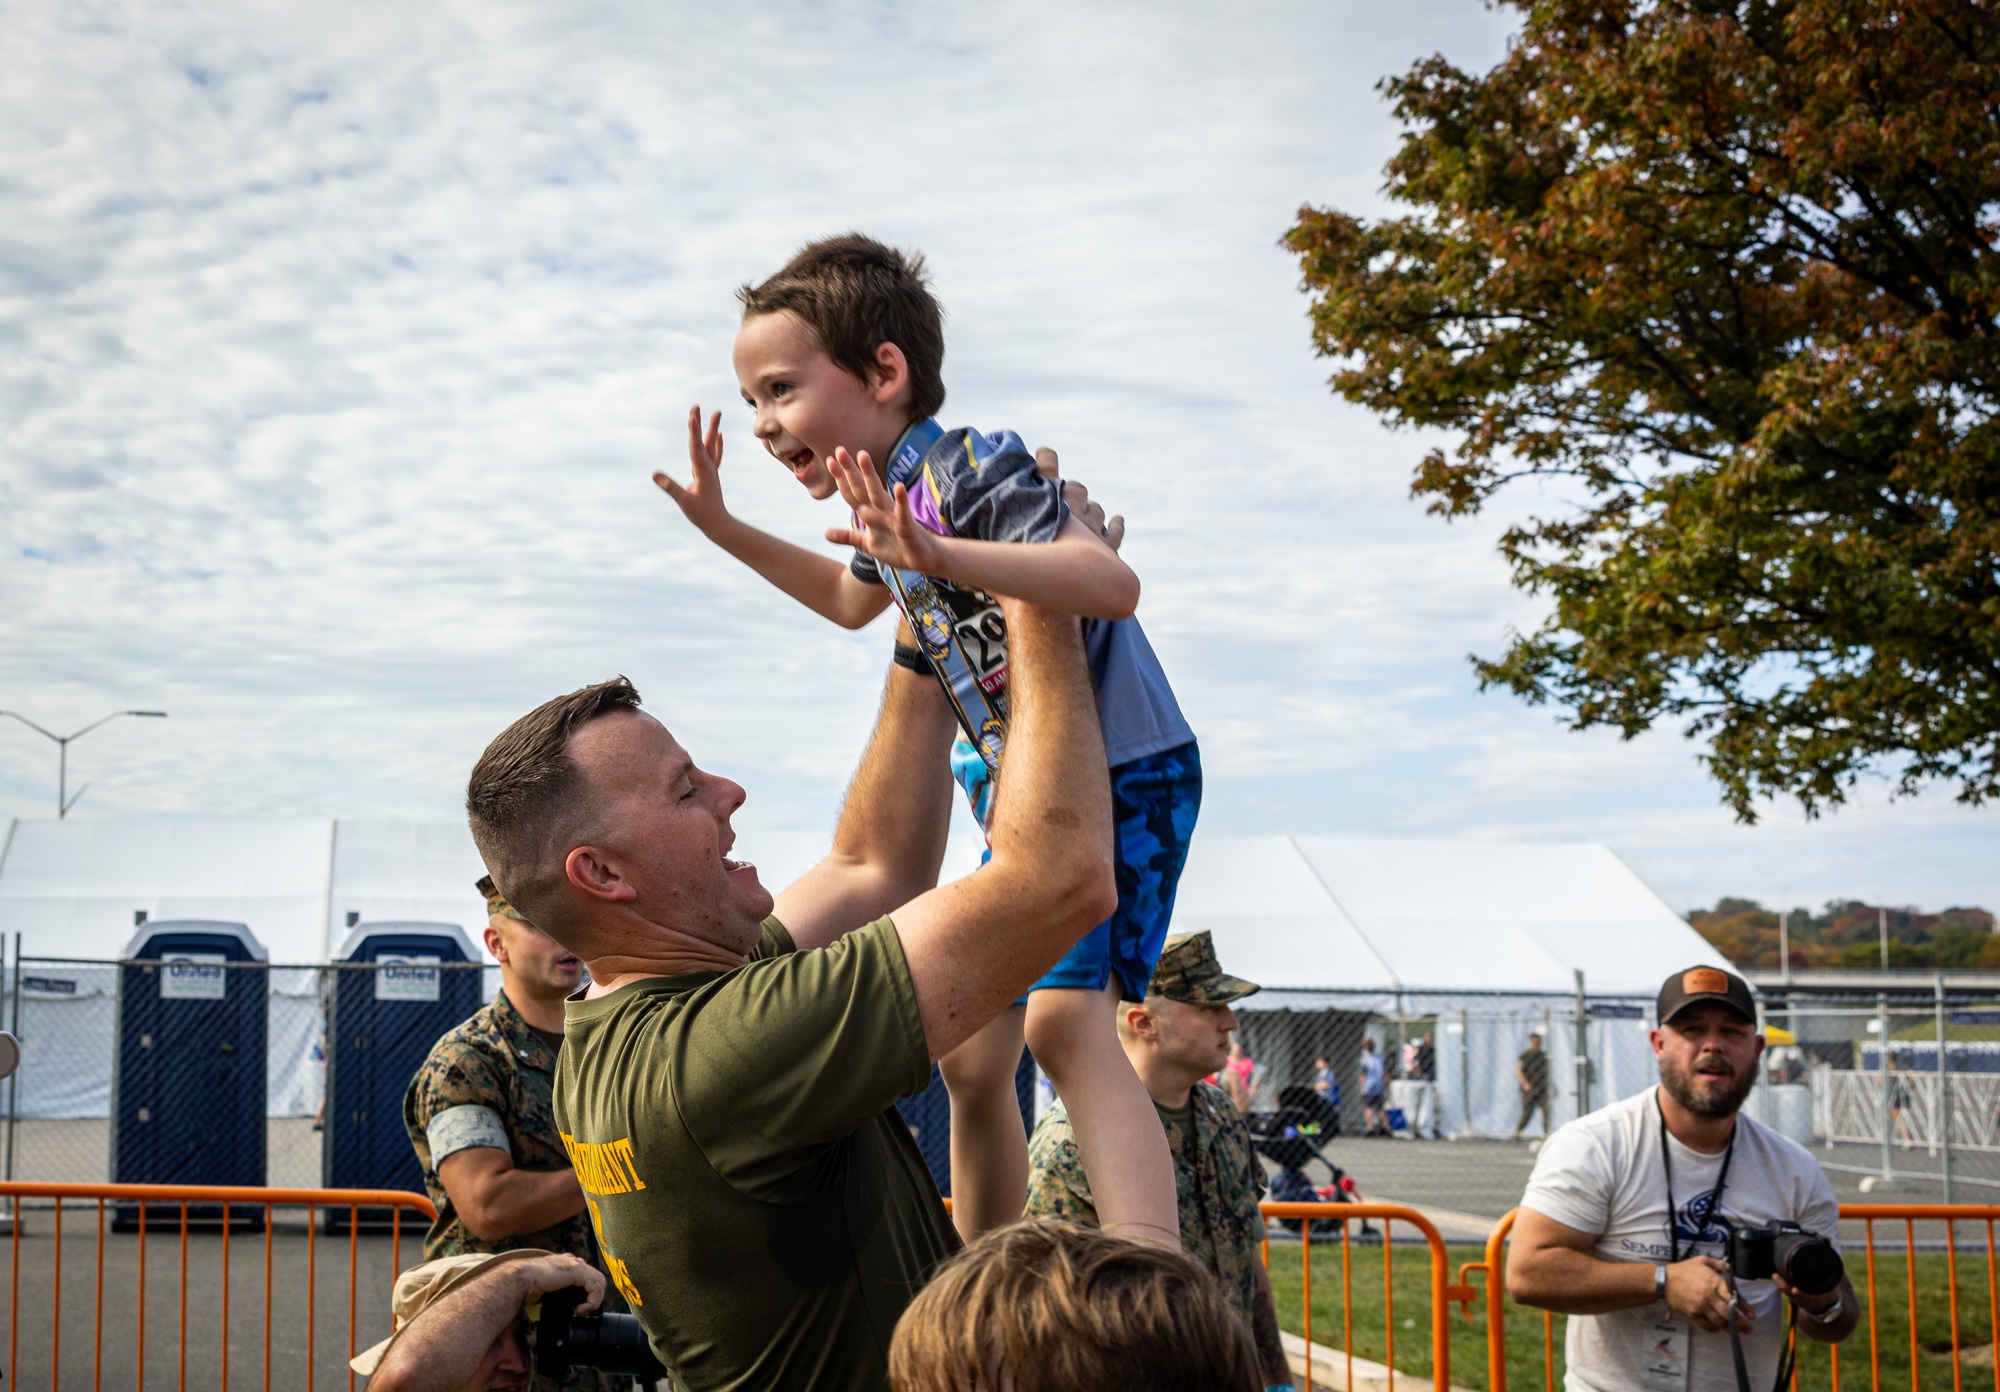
1774	1035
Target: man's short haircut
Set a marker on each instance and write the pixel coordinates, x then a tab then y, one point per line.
524	798
1054	1307
857	294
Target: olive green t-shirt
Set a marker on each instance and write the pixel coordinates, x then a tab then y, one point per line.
759	1201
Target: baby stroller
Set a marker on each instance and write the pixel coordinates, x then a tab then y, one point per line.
1291	1138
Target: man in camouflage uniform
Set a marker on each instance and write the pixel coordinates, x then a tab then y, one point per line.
1175	1038
479	1114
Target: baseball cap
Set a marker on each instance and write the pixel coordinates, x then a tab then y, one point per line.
1698	984
420	1285
1189	972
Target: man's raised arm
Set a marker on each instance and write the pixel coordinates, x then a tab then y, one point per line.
891	837
974	945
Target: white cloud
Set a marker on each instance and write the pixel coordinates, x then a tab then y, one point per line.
340	343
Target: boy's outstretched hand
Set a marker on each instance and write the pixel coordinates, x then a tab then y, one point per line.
700	499
884	527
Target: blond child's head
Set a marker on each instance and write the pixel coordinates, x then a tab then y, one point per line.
1052	1307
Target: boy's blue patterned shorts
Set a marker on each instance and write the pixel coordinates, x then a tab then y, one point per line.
1154	802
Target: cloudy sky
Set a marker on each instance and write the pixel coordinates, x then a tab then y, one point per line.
337	344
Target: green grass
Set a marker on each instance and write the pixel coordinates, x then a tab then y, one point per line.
1411	1273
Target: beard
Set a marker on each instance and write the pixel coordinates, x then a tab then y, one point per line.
1707	1103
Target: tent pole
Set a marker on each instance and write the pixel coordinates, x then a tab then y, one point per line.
1582	1048
1465	1064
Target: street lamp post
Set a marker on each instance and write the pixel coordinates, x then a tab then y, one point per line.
63	801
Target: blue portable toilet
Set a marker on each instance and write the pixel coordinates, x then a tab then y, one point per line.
383	1016
928	1115
187	1094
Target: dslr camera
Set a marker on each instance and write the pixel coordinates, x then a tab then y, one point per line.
563	1339
1805	1259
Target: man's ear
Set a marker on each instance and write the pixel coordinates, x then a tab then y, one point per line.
889	374
496	944
596	874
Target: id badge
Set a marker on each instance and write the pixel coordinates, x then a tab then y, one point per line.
1663	1365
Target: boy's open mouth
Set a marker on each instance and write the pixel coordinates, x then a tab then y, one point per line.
799	461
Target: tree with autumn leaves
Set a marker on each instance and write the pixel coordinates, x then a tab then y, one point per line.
1848	935
1729	273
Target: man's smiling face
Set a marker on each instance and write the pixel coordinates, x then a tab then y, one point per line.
807	404
666	824
1708	1058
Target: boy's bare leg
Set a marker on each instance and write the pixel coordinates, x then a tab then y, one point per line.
1119	1138
989	1146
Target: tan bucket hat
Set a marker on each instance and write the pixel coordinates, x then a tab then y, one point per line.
420	1285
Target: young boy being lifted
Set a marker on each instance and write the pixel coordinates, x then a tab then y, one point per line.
840	354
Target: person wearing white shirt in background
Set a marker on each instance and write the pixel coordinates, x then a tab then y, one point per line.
1649	1301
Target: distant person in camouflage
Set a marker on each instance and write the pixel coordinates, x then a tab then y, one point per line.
479	1113
1175	1038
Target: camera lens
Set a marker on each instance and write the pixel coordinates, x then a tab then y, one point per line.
612	1344
1808	1262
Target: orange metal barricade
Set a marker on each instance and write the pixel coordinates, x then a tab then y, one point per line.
1443	1292
145	1197
1908	1215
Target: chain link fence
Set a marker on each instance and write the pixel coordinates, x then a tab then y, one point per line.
1903	1086
149	1071
1471	1083
108	1091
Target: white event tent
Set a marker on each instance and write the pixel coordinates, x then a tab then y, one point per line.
1484	937
1492	932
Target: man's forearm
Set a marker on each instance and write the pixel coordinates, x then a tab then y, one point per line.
1569	1282
973	946
528	1201
893	825
1264	1325
1840	1326
444	1346
897	814
497	1201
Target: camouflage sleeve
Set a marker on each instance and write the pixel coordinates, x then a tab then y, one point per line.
1254	1183
457	1086
1057	1187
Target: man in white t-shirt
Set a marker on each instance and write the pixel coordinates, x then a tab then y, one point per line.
1649	1306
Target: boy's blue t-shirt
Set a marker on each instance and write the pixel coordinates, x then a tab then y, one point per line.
968	485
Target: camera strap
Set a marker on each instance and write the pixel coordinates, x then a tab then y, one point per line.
1667	1165
1715	1211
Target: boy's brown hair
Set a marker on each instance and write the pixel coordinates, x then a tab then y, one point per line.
857	294
1053	1307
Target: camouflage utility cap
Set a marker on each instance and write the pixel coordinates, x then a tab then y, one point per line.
496	904
1189	973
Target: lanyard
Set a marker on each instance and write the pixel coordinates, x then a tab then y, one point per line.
1667	1164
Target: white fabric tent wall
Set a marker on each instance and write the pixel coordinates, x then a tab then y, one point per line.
1485	936
403	872
70	887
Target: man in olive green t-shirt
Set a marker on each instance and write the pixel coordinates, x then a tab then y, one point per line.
726	1088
